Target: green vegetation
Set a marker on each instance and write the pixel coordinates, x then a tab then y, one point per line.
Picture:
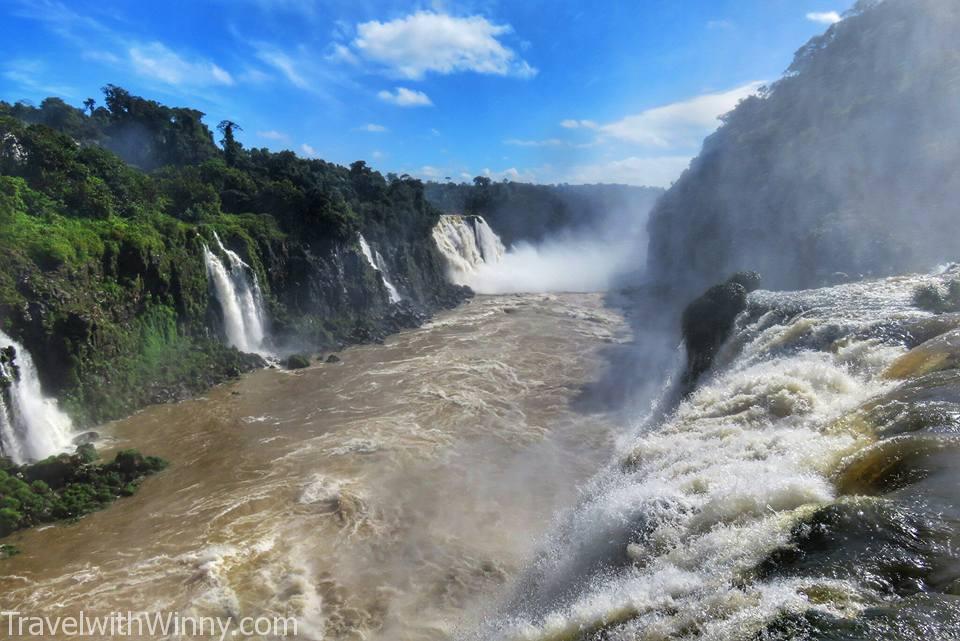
67	487
104	212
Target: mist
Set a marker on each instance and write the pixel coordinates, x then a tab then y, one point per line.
604	236
842	169
561	264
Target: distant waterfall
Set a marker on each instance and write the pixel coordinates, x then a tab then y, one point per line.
241	300
468	243
31	425
376	261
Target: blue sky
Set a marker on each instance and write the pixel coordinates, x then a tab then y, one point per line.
537	90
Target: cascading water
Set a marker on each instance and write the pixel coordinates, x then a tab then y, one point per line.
31	425
376	261
800	492
238	292
468	243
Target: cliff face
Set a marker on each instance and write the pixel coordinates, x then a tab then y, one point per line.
104	274
847	164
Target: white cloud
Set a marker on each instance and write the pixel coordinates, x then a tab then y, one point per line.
654	172
157	61
511	173
430	172
578	124
308	150
373	128
271	134
680	124
824	17
376	154
550	142
403	97
425	42
285	65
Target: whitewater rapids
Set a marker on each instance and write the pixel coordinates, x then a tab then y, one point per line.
806	490
379	498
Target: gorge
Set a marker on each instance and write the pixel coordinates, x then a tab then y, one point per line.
382	407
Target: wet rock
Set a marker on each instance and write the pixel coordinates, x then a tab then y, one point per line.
333	358
297	361
708	321
86	438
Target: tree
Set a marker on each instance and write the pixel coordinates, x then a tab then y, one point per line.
231	148
90	104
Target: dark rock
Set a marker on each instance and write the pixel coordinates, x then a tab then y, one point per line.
297	361
333	358
86	437
708	321
749	279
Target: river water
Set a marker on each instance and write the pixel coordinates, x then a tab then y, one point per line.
387	496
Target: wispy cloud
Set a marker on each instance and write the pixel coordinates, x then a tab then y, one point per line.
428	42
824	17
658	171
678	125
308	151
156	60
549	142
578	124
152	60
28	75
373	128
403	97
272	134
285	64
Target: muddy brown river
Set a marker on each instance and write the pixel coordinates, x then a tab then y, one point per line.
388	496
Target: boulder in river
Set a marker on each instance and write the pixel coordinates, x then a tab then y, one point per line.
708	321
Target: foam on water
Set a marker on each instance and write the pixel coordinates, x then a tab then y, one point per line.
662	541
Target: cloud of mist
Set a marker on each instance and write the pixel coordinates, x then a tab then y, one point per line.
585	259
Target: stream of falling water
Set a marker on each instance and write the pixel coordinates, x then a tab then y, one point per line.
376	498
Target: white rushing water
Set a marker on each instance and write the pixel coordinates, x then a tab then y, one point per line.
468	243
375	260
238	292
663	541
576	261
31	425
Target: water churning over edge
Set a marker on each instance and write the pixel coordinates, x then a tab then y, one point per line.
468	243
666	542
238	292
379	265
32	426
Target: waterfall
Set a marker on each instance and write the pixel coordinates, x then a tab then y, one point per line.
31	425
379	265
240	298
468	243
798	468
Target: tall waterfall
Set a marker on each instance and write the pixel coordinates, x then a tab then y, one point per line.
31	425
468	243
379	265
238	292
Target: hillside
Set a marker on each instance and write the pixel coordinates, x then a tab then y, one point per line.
105	214
811	182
